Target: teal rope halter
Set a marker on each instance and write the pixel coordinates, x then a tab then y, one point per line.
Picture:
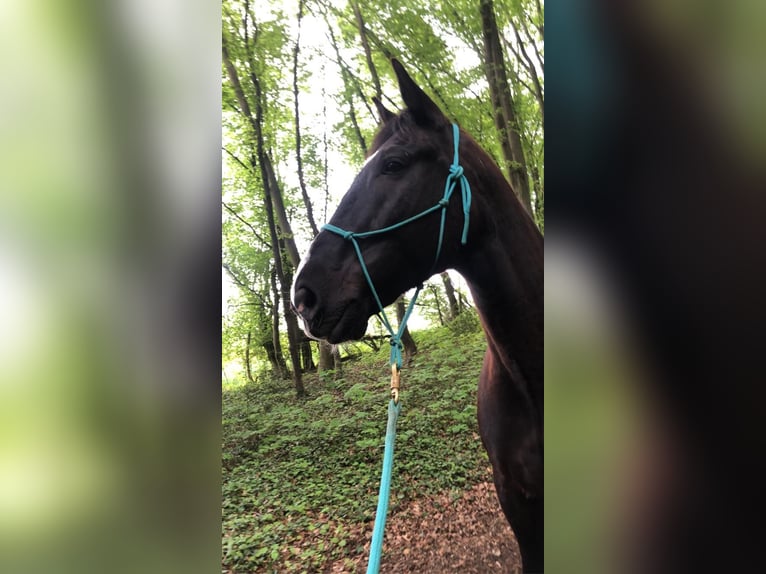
455	176
394	407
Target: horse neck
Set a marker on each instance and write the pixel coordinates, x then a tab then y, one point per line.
504	271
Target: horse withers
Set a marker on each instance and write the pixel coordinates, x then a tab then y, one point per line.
501	260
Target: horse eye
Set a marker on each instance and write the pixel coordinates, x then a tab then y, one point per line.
393	166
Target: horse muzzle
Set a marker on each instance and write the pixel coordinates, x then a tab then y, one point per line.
331	321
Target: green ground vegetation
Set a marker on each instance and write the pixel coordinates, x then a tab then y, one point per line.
300	477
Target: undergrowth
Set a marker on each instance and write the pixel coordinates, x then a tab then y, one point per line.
300	477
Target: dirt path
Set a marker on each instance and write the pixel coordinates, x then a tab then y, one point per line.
441	534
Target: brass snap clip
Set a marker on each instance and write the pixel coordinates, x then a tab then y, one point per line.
395	383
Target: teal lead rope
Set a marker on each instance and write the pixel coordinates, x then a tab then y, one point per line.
376	545
455	176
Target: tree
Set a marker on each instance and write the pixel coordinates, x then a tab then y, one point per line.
449	291
272	198
298	155
410	348
502	102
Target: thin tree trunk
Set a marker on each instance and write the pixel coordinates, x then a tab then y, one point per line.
505	117
292	328
366	46
298	155
337	363
450	291
308	356
278	360
524	18
283	223
438	304
354	82
538	91
239	218
294	334
522	55
464	304
541	27
539	191
410	348
325	166
349	97
325	356
352	114
248	368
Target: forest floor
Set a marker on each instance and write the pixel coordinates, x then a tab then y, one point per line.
300	476
437	534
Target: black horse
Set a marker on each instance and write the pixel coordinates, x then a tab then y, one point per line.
502	261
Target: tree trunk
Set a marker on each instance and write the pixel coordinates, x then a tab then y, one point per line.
410	348
366	46
283	224
502	102
308	356
325	164
278	363
269	195
337	363
325	356
346	82
273	347
539	193
298	155
435	293
272	199
530	67
248	367
294	333
292	336
454	311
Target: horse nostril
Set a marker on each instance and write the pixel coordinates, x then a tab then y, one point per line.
304	301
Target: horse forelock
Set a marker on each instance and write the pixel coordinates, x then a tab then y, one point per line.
386	131
402	124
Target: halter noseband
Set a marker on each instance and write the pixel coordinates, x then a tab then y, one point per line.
455	175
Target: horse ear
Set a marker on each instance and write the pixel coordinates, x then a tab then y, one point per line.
422	108
384	113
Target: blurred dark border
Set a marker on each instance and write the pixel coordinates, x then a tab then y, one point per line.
655	145
110	263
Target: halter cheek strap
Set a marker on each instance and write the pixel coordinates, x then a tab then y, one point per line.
454	177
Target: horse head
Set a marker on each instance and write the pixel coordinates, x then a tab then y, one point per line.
404	174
